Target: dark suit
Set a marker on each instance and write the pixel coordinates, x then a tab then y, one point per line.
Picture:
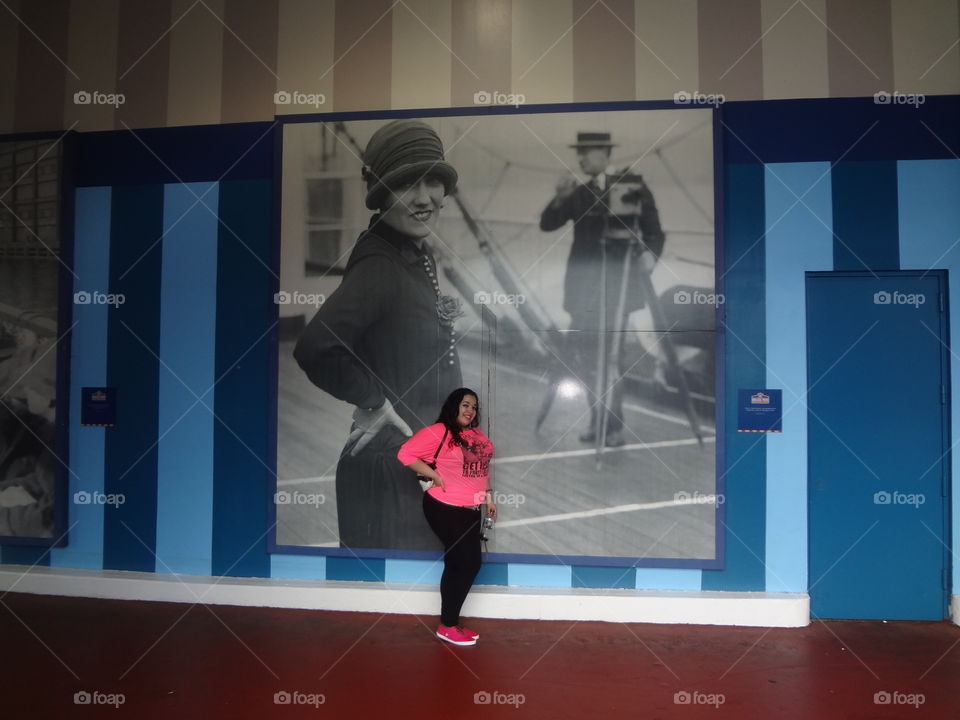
587	208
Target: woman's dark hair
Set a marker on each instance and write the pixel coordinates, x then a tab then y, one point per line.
450	410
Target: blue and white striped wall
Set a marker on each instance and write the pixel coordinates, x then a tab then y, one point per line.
189	349
181	454
878	215
189	243
164	248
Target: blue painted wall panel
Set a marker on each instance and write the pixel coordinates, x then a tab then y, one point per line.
353	568
91	258
133	342
929	214
245	317
798	238
530	575
745	472
865	216
301	567
188	307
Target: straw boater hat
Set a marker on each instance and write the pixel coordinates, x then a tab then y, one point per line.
401	151
586	140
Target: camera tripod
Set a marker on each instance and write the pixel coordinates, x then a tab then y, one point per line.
626	234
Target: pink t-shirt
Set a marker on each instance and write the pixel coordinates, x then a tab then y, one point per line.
465	470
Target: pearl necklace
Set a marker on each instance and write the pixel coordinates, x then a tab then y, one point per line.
430	270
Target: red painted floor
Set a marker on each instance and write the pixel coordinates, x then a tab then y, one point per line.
172	660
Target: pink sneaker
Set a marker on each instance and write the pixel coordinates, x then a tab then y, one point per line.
455	636
470	633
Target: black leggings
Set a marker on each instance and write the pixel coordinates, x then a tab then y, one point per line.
459	530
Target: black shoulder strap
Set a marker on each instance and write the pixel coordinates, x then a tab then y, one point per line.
440	446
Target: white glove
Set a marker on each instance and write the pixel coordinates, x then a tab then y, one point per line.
369	422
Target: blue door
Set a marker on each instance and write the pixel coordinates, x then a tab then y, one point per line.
878	428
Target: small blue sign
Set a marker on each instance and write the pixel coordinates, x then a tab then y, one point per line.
760	411
98	406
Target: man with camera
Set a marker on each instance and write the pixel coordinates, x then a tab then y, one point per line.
591	296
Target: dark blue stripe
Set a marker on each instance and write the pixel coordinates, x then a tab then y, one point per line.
172	155
865	218
756	131
24	555
742	516
590	576
348	568
771	131
492	574
133	342
245	314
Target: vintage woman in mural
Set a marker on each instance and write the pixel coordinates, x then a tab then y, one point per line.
384	340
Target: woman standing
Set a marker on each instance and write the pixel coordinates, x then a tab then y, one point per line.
384	340
454	505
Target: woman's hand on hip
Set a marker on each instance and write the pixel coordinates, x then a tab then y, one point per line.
369	422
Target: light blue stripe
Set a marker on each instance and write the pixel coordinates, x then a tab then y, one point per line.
669	579
298	567
88	368
188	308
929	211
525	575
414	571
799	237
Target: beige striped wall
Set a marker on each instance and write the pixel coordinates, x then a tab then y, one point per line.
183	62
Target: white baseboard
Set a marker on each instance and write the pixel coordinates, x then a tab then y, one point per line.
955	609
490	601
